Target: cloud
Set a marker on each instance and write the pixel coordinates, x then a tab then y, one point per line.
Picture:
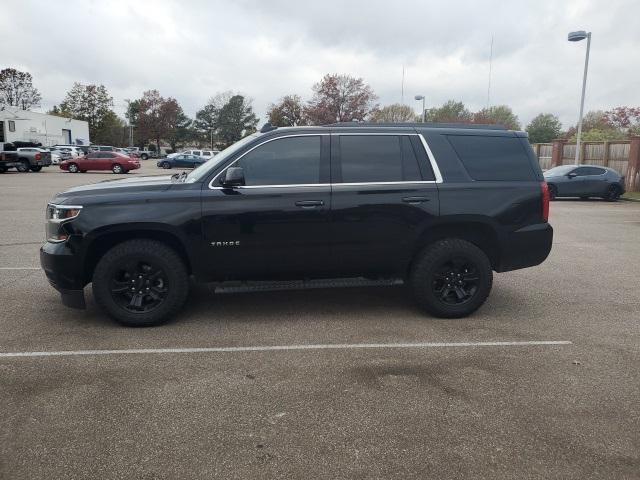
192	49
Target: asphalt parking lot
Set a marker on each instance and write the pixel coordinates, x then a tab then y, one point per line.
479	397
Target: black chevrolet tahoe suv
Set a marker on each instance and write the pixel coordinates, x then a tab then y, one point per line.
438	206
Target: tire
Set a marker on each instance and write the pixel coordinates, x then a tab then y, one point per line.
166	165
3	169
23	166
36	168
613	193
148	264
553	192
117	168
456	261
144	156
73	168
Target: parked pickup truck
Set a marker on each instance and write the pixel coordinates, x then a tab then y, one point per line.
24	159
140	153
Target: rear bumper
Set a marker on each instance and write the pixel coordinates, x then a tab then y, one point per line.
62	269
526	247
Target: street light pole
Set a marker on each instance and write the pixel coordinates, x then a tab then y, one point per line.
424	113
576	37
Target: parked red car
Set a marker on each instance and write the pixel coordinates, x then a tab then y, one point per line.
114	161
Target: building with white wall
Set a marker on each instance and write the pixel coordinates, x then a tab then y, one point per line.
25	126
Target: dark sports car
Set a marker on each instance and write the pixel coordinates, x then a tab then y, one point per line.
181	161
584	181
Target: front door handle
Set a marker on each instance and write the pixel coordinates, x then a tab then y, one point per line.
415	199
309	203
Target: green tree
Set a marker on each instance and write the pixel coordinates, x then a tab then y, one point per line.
91	103
340	98
288	112
394	113
17	90
55	110
498	115
208	118
157	116
183	131
450	112
597	135
236	119
112	131
544	128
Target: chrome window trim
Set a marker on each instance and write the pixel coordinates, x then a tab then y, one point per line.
432	161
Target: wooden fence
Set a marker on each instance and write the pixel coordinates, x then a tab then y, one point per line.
607	154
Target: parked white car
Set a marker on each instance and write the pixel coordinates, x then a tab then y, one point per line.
55	152
198	153
73	151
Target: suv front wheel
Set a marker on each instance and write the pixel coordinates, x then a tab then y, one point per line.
140	283
451	278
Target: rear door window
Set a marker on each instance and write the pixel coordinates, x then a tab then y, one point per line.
378	158
493	158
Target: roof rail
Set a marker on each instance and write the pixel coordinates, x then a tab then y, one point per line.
420	125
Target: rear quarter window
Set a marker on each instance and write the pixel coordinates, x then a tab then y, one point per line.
492	158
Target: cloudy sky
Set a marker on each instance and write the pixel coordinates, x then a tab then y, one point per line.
191	50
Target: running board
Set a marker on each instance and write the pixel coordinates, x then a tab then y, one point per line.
270	286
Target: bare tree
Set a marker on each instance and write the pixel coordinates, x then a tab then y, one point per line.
288	112
17	90
340	98
158	117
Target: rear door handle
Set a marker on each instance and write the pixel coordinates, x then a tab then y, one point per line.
309	203
415	199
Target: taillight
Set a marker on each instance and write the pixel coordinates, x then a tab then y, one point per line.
38	156
545	201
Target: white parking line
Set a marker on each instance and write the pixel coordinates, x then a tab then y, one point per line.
19	268
267	348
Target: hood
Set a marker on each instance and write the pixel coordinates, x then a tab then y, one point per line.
121	187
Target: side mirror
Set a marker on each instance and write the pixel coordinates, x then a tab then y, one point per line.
572	175
233	177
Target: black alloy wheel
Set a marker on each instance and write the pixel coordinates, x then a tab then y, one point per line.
613	193
455	281
138	286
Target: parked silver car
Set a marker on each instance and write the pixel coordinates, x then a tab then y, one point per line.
584	181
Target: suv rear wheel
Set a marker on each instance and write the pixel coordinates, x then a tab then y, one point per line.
140	283
451	278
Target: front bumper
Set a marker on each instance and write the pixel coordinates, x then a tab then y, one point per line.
64	273
526	247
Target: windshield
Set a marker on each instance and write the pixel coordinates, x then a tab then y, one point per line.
561	170
198	173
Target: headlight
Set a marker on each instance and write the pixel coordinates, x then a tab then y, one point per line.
57	216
